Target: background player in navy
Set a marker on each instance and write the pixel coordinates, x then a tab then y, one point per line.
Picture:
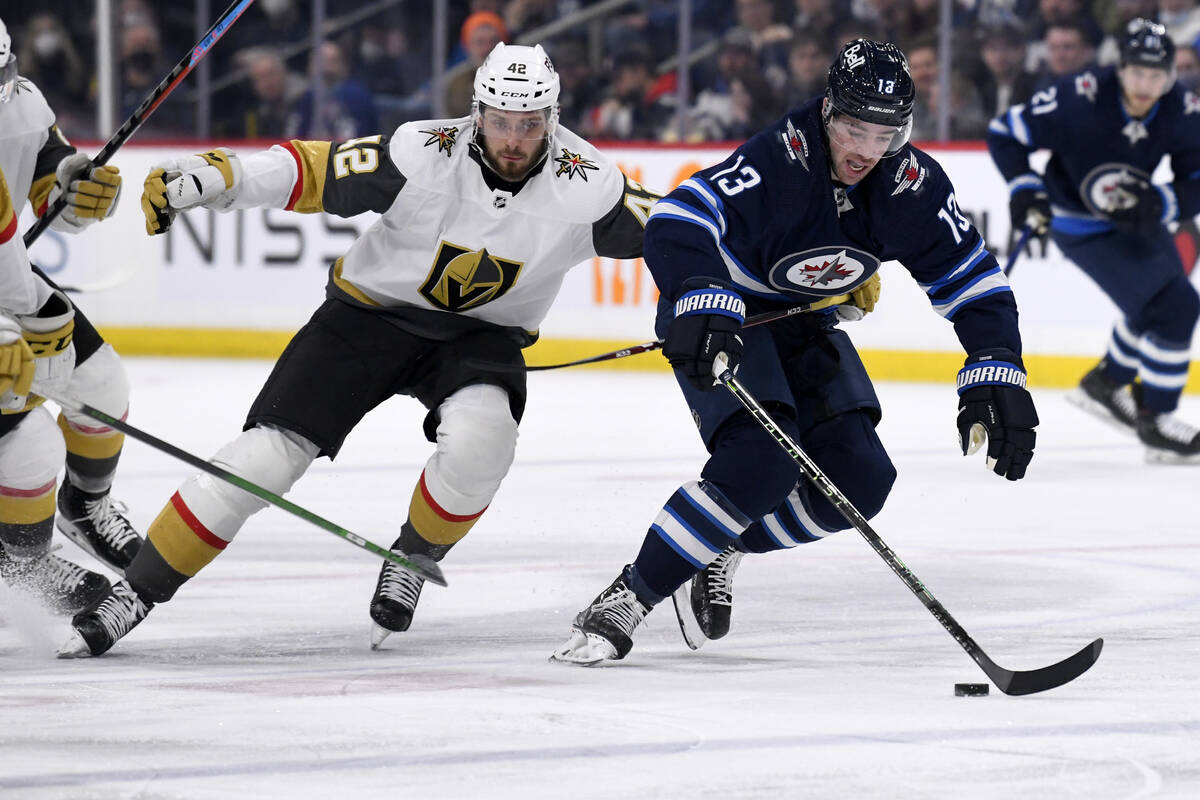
805	209
1107	131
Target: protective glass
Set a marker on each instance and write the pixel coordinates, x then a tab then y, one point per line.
506	125
8	78
868	138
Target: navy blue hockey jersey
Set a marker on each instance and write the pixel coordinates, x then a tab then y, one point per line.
771	220
1095	142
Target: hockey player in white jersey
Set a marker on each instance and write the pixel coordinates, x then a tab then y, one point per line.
40	165
481	217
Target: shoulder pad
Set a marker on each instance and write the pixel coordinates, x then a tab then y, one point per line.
424	141
909	172
795	145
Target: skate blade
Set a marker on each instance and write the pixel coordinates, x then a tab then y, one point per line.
584	650
693	636
82	542
1155	455
378	634
75	647
1080	400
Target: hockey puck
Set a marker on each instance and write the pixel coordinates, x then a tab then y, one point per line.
970	689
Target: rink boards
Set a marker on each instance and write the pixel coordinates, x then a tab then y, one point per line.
239	284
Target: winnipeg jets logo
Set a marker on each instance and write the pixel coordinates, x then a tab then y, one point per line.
1107	188
1085	85
910	175
572	164
794	144
442	137
822	271
1134	131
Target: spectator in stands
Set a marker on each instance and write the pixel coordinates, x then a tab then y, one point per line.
770	39
1187	66
819	18
638	105
1181	18
275	93
851	28
480	33
967	120
1068	50
269	22
1003	80
579	88
808	68
142	67
51	61
347	109
521	16
711	116
1114	22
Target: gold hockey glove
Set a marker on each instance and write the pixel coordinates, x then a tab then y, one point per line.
211	180
91	192
855	304
16	364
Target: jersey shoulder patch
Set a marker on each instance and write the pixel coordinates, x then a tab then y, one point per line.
1086	85
428	147
909	174
587	182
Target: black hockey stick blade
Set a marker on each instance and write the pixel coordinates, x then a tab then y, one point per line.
1032	681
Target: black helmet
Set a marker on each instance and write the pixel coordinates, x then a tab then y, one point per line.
1147	44
869	81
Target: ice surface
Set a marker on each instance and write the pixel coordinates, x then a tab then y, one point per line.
258	680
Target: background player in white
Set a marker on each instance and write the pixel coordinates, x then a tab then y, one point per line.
40	165
481	218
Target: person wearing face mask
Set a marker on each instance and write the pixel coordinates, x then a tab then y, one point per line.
802	215
52	62
1107	131
67	354
481	218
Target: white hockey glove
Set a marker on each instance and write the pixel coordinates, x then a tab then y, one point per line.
50	336
91	192
211	180
16	364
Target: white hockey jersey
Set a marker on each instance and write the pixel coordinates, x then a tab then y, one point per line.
447	241
30	149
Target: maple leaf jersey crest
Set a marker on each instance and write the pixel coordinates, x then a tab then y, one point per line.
823	270
462	278
910	175
572	164
444	138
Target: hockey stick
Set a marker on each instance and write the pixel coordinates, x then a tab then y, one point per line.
1016	251
152	101
1008	681
644	347
426	567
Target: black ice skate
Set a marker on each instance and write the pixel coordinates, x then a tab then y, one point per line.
395	601
705	604
97	524
1106	400
98	628
1168	440
61	586
604	630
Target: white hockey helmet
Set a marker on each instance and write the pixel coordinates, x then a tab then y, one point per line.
8	65
517	78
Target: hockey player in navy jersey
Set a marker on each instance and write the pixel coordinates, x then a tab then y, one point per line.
1107	130
805	209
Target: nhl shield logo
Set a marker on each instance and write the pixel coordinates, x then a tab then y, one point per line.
1107	188
463	279
823	270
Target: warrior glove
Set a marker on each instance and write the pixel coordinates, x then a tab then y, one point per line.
50	336
16	363
993	404
708	316
1139	207
211	179
91	192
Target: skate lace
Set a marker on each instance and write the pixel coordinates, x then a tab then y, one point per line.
1124	401
400	585
120	611
720	577
110	523
1176	429
57	574
622	608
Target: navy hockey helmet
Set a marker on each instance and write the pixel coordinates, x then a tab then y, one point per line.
1147	44
870	81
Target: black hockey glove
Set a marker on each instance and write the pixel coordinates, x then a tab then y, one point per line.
1030	206
708	316
993	404
1137	207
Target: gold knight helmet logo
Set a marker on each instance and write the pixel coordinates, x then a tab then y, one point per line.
462	279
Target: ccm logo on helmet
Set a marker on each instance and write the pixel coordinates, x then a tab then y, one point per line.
514	94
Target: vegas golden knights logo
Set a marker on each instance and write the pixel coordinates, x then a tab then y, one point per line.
462	279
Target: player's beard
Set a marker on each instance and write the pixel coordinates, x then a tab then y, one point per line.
513	170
